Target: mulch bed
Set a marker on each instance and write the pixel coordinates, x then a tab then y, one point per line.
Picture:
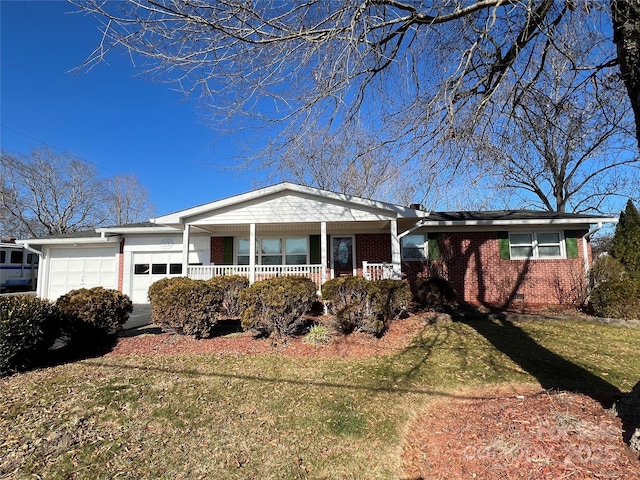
530	435
515	432
356	345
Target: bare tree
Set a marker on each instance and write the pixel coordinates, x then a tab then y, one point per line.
127	201
568	142
47	193
350	163
419	74
287	60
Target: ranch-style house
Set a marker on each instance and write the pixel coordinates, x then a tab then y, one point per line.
490	257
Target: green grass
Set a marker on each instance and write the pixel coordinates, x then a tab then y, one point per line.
275	417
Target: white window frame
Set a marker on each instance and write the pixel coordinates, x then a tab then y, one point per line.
424	248
535	245
283	249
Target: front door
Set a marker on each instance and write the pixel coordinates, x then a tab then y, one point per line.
342	256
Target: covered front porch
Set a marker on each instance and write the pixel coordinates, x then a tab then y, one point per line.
290	229
319	251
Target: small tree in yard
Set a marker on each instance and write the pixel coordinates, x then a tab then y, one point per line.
618	294
626	241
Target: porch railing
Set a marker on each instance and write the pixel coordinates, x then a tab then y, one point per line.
377	271
262	272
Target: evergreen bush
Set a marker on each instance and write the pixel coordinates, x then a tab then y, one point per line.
433	293
276	306
355	303
163	283
625	245
394	297
96	310
617	299
189	307
231	288
28	328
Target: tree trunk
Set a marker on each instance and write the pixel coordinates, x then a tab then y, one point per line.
626	35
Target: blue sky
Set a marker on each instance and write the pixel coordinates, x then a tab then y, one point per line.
110	117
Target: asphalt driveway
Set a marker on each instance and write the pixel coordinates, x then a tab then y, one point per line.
140	317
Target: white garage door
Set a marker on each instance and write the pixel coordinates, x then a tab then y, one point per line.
73	268
149	267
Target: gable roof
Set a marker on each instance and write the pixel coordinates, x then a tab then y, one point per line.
302	200
300	196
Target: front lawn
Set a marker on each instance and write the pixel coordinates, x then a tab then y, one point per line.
281	417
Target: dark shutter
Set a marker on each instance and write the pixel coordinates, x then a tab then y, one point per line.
434	246
503	242
227	257
314	249
571	242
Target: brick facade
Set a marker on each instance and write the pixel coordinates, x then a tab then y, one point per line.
472	263
473	266
372	247
217	250
120	259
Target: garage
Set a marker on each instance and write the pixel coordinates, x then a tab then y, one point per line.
81	267
149	267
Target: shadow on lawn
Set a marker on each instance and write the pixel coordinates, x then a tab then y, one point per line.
553	371
79	349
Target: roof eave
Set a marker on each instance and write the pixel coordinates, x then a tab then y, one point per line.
129	230
538	221
70	240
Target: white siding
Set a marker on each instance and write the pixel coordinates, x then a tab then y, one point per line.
291	208
199	246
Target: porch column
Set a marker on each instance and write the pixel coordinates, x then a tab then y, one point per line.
323	250
185	250
252	253
396	259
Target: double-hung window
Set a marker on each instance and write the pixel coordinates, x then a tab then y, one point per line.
535	245
414	247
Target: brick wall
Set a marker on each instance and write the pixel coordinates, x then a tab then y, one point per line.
475	269
121	266
372	247
217	250
473	265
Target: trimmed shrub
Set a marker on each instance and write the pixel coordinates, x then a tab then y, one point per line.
355	302
95	310
231	287
434	293
189	307
161	284
617	299
394	297
28	328
276	306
